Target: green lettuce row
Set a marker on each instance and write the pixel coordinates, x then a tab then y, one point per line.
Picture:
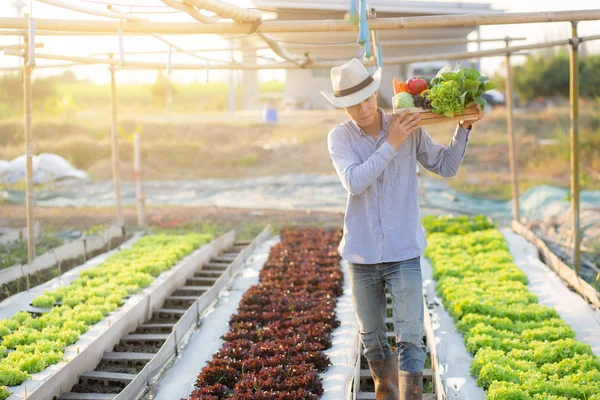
4	393
522	350
457	225
37	343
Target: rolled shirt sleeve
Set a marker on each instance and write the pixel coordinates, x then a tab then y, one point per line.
440	159
354	175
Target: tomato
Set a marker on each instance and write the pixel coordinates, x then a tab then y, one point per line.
416	85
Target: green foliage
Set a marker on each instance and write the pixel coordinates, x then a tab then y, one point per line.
11	88
451	90
95	230
549	76
159	90
12	376
43	91
456	225
445	98
4	393
129	136
13	253
39	342
521	349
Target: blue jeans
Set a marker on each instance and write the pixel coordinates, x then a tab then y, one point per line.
405	284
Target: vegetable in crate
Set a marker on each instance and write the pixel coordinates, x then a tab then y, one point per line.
451	91
404	100
399	86
422	100
448	94
446	99
416	85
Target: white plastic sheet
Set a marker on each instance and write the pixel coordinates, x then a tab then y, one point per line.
179	380
343	353
453	357
67	251
88	350
12	234
46	167
552	292
20	301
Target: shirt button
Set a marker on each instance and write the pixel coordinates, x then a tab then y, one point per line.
381	215
379	180
380	197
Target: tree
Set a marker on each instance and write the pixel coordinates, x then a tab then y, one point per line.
162	91
67	77
11	89
548	75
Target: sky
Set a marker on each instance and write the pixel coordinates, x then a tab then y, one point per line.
86	46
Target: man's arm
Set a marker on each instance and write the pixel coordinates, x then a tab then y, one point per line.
440	159
356	176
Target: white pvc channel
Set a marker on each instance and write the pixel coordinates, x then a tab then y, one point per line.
11	234
203	342
20	301
179	380
453	358
87	352
70	250
552	291
337	379
184	326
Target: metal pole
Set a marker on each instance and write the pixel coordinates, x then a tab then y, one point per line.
574	133
512	148
113	145
139	194
30	204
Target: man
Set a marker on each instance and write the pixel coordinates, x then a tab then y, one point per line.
375	155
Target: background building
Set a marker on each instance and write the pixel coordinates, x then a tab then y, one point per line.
303	86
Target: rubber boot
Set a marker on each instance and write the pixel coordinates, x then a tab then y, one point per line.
385	376
410	385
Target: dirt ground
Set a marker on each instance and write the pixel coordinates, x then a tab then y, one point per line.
173	218
192	146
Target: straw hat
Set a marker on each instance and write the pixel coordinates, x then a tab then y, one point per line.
352	84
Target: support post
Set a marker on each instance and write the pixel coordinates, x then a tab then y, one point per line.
137	166
232	83
30	201
512	149
574	134
114	146
168	92
479	48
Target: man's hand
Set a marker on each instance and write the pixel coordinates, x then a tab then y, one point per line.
402	126
468	124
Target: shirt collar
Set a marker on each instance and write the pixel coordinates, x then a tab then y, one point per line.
385	122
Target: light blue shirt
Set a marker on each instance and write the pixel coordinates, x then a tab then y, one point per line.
382	221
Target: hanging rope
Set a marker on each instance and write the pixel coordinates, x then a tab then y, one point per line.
353	12
372	14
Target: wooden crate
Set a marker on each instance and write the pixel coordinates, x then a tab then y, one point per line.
472	112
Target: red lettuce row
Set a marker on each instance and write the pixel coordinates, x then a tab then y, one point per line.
274	348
